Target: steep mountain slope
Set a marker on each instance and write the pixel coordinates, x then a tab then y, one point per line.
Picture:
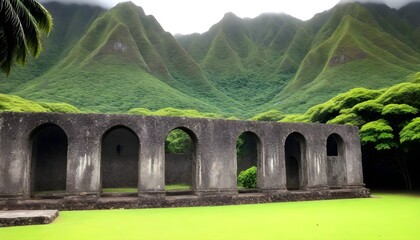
70	24
119	59
241	57
283	63
358	46
125	60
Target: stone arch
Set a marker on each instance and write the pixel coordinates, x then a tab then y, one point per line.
249	152
295	157
180	166
120	149
49	147
336	162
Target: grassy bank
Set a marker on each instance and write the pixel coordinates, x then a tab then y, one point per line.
385	216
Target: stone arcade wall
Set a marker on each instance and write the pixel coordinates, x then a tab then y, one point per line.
214	159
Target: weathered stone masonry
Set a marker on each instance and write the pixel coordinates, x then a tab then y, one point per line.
295	161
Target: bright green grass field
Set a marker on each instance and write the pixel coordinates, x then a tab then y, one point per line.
386	216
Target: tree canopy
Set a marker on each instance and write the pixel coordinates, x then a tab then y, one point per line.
388	119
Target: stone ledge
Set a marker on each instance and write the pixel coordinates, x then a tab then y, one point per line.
182	200
25	217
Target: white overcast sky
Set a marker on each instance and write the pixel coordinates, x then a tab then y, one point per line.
189	16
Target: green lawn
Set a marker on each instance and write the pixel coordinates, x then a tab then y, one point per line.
386	216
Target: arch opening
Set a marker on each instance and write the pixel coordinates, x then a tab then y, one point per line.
180	160
295	156
248	157
48	160
336	164
120	149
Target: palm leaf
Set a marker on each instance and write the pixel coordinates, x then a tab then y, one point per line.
40	15
21	25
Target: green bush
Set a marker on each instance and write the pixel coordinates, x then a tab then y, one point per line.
178	141
60	107
248	178
271	115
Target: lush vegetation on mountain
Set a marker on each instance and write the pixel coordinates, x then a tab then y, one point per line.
10	103
173	112
121	59
358	62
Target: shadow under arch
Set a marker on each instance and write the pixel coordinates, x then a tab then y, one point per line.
181	146
49	146
248	154
336	162
120	149
295	157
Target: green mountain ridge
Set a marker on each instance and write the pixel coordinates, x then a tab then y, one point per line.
354	52
119	59
137	69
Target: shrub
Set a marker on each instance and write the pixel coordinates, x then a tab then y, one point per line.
272	115
178	141
60	107
248	178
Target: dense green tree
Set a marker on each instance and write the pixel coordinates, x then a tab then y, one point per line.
368	110
403	93
347	118
399	114
388	120
378	133
410	134
324	112
21	25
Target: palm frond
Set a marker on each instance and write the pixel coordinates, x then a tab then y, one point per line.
42	17
21	25
30	29
12	37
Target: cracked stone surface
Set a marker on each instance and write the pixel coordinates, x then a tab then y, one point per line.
25	217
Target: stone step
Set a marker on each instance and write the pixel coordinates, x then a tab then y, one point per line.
27	217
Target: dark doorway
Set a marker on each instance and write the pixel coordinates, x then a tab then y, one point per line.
295	155
119	160
248	156
49	160
180	157
336	163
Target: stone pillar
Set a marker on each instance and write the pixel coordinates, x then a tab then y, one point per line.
14	159
152	166
84	162
216	168
353	156
272	169
316	163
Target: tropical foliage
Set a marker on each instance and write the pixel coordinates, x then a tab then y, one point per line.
254	69
21	24
10	103
178	141
240	67
388	121
271	115
248	178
